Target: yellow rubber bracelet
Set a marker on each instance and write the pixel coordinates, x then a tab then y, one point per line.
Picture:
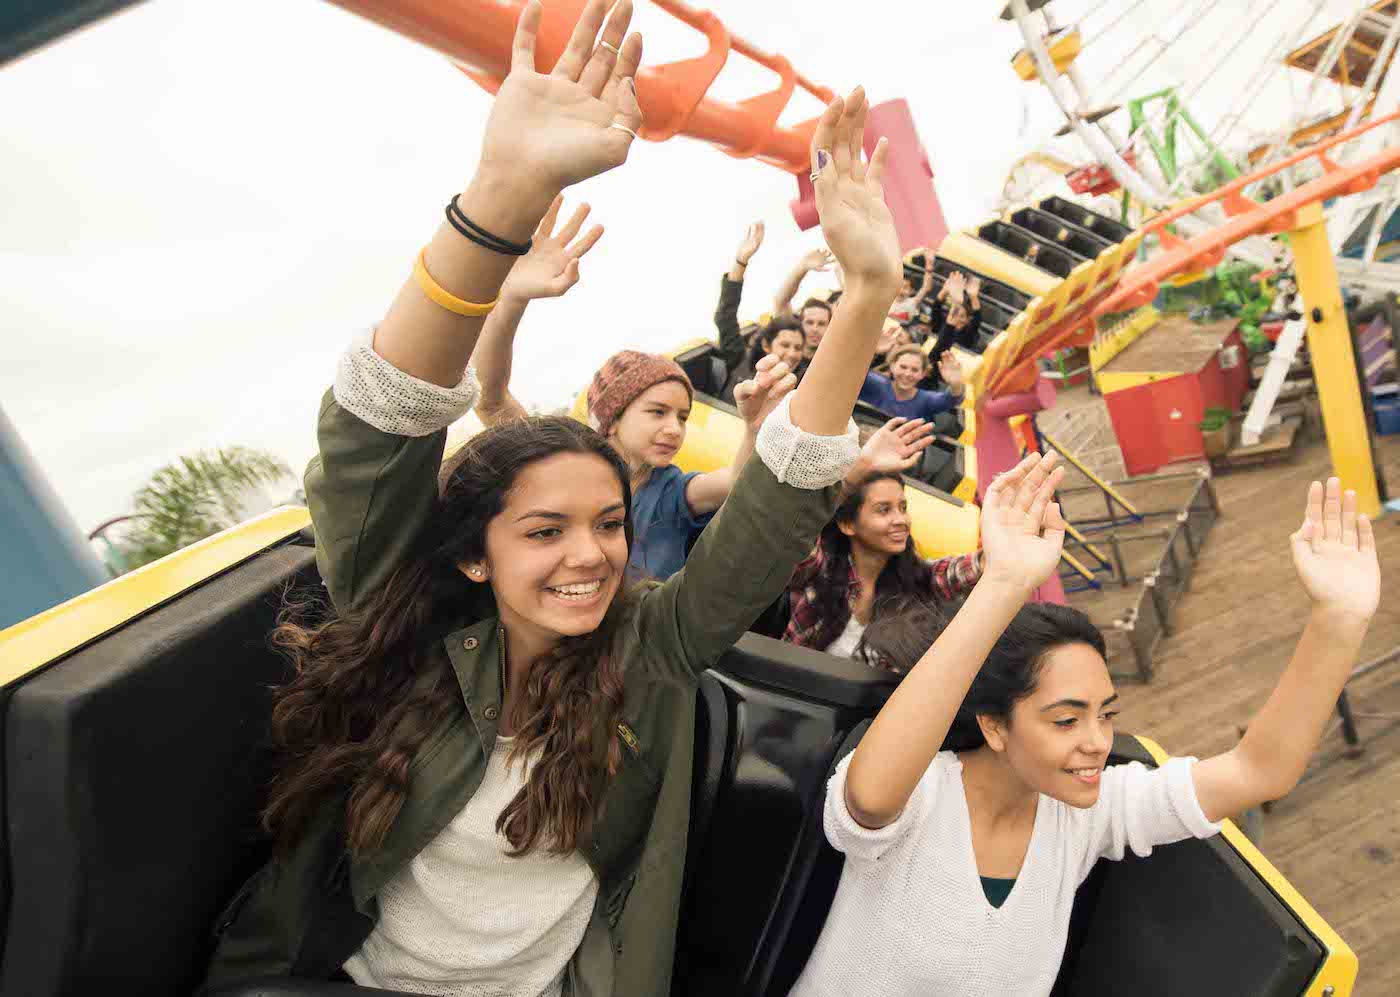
445	298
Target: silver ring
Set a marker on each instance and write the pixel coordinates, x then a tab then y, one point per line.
813	176
623	128
611	48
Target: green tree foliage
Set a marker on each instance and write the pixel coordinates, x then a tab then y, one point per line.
196	497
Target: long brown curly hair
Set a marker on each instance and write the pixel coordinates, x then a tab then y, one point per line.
371	683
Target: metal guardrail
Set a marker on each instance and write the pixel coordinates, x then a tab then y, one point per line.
1149	619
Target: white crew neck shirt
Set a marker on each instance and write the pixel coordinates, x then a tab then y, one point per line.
465	919
910	916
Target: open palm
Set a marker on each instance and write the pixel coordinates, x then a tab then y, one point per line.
856	222
1023	532
551	266
1334	553
558	128
896	446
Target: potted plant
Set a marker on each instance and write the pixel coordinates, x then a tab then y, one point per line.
1215	432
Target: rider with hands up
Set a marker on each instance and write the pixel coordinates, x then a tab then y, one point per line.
979	800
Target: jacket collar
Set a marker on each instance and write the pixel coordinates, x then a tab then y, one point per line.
478	659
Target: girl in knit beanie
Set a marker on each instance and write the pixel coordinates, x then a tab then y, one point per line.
641	402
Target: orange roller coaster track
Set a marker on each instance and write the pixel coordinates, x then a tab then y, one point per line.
476	35
1065	317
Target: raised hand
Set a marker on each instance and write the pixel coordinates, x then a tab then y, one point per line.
951	371
973	287
895	446
818	260
577	121
955	286
1334	553
760	394
850	199
753	238
1022	529
551	266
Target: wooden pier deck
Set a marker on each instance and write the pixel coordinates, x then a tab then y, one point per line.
1337	836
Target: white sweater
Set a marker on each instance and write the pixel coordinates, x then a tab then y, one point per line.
910	916
465	919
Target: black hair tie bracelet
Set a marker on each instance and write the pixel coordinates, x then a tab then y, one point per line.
470	230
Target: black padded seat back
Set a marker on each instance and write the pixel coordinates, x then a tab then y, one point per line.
1192	918
133	770
790	711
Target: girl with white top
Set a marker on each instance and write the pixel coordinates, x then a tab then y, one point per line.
978	801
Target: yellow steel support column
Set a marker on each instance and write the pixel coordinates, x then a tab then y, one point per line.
1333	360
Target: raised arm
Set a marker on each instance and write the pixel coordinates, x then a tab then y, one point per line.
814	261
382	427
1022	535
547	271
731	344
706	492
545	132
1334	553
781	500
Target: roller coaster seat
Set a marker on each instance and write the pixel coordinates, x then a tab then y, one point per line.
133	770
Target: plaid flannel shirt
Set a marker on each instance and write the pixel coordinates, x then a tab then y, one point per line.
948	578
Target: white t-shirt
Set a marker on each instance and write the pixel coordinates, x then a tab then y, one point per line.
465	919
910	916
845	645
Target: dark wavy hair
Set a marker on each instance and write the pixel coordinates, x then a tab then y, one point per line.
1011	670
902	584
763	340
371	682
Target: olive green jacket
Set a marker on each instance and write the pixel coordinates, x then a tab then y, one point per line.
370	493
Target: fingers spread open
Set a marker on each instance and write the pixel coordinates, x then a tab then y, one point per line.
546	226
1312	508
589	240
575	222
580	47
841	138
522	53
596	74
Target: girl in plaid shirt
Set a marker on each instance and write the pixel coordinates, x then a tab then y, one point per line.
864	564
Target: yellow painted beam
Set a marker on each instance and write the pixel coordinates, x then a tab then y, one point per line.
31	644
1074	563
1110	382
1069	456
1112	342
1074	532
1334	360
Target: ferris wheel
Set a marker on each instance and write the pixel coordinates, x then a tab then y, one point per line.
1127	78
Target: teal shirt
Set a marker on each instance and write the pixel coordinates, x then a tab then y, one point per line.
997	890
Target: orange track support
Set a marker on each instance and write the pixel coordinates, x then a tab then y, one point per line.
476	34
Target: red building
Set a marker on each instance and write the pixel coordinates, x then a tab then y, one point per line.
1159	387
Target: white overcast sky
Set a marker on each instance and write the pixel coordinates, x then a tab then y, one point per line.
203	199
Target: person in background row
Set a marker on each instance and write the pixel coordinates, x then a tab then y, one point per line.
864	565
640	403
980	799
957	313
898	393
815	314
892	337
911	299
781	337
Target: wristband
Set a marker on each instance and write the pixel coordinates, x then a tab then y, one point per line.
445	298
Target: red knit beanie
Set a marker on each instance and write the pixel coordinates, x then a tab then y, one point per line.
622	378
